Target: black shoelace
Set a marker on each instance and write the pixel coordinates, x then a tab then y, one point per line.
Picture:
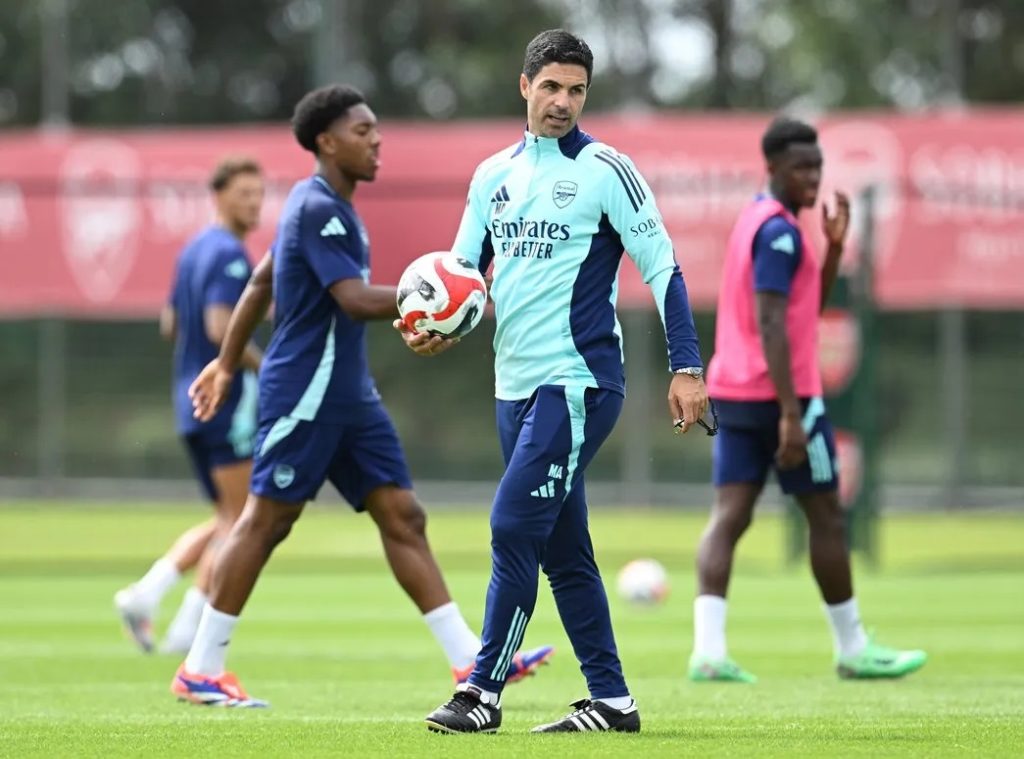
463	703
583	705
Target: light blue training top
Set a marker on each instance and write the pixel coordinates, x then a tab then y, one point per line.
555	216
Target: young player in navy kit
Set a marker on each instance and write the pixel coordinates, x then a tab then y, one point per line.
321	417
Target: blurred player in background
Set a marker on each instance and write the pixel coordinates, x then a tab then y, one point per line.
555	212
765	382
209	278
321	417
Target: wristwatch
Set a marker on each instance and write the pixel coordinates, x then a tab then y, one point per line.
697	372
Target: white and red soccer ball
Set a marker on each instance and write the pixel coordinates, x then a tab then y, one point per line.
643	581
441	294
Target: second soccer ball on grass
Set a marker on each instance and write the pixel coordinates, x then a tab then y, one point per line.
643	581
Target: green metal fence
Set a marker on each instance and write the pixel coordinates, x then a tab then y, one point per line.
92	399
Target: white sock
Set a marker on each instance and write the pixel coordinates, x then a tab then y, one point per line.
160	578
210	648
460	644
847	631
183	627
709	627
486	696
619	702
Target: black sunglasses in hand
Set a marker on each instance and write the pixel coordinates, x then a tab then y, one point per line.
710	429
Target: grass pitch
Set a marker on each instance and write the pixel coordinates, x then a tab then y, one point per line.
350	668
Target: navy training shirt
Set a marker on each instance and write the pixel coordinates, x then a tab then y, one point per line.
212	270
315	367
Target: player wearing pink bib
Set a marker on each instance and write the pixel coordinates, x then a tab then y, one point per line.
765	382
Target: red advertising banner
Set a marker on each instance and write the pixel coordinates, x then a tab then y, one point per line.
91	222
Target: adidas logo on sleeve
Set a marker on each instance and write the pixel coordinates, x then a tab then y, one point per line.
334	228
784	244
238	269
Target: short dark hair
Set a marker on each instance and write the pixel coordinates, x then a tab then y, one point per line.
783	132
557	46
231	167
319	109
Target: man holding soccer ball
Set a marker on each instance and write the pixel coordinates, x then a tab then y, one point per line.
554	212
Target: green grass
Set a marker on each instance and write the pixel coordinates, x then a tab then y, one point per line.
351	669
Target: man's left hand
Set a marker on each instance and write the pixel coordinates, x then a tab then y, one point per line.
835	226
687	400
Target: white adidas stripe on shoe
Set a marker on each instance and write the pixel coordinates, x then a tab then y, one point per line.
595	717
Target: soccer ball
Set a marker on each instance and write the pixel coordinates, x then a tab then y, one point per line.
441	294
643	581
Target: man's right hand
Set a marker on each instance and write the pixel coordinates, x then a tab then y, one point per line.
422	343
792	442
209	390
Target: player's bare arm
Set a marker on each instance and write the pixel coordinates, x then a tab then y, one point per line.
835	226
771	321
168	323
364	302
251	310
211	387
215	323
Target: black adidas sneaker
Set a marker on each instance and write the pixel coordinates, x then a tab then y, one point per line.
595	716
468	711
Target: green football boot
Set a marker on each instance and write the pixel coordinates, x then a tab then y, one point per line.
877	661
705	670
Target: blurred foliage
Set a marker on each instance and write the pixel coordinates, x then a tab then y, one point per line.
889	53
189	61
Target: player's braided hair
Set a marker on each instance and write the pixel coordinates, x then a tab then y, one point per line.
318	110
557	46
783	132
